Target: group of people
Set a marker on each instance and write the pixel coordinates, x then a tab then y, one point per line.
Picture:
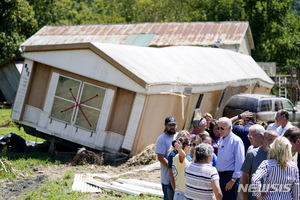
227	159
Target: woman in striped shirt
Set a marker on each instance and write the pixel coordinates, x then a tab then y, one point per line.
202	179
280	174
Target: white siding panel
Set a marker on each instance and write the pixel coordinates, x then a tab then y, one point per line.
31	114
107	103
86	63
71	133
113	141
22	90
51	92
134	121
44	119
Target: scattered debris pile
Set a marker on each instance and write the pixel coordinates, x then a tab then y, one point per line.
84	156
147	156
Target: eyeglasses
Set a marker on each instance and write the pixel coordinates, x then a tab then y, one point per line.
222	128
252	136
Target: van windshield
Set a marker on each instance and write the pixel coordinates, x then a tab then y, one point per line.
243	103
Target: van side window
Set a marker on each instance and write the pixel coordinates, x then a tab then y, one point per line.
288	106
265	105
278	105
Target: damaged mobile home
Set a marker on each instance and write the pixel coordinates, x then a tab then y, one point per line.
115	97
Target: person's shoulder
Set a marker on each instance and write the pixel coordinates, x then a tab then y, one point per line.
161	136
237	127
292	164
252	152
173	153
235	137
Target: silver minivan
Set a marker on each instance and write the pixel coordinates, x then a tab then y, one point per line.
264	106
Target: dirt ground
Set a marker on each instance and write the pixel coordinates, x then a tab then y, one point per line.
104	163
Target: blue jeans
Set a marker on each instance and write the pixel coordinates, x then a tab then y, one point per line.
228	194
170	193
165	191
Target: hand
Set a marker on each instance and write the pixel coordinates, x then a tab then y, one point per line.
229	185
178	145
246	114
263	195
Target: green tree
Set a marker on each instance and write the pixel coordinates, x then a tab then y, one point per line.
275	31
17	24
296	6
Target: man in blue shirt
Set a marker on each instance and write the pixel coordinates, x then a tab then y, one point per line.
231	156
243	131
163	143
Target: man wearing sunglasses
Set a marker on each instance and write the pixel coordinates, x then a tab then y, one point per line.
231	156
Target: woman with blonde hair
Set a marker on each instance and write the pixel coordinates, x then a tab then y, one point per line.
280	174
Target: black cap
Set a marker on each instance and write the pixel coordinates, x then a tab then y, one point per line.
170	120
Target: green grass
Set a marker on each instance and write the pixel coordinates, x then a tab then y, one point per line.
23	163
7	126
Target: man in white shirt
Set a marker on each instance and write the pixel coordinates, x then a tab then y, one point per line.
282	118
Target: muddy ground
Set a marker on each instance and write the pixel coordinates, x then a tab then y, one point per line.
107	164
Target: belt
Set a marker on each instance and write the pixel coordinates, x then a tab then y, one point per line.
225	172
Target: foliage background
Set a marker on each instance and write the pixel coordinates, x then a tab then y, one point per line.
275	24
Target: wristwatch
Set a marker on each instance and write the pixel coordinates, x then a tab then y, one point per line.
239	116
233	180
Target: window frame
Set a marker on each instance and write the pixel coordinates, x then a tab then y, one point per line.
76	109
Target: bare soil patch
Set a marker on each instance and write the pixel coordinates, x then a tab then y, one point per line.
107	163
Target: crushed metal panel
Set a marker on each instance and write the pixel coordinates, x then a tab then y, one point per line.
80	184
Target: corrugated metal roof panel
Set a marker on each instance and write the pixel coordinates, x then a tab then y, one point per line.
166	34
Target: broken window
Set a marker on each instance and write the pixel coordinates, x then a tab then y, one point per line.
78	103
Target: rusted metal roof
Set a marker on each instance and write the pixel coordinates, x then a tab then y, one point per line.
166	34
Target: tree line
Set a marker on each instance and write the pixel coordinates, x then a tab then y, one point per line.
275	24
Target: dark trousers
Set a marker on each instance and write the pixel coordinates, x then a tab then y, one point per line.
225	177
165	191
170	193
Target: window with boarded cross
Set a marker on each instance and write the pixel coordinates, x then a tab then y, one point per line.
78	103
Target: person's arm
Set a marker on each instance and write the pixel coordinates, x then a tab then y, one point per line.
216	189
245	184
239	150
243	116
172	179
295	186
161	158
